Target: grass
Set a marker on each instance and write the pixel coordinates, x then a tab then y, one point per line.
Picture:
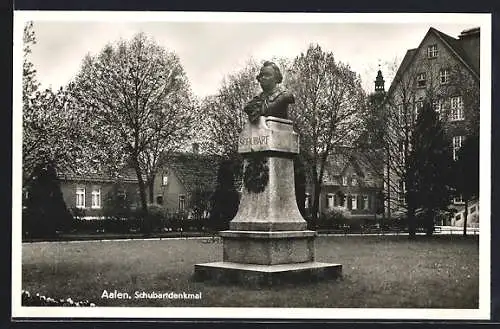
378	271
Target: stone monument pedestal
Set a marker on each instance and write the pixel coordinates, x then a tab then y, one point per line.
267	241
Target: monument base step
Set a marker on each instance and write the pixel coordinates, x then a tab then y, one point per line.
257	275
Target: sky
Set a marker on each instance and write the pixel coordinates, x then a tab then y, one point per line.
211	49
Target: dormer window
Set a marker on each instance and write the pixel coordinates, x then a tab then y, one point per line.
344	180
354	181
164	180
432	51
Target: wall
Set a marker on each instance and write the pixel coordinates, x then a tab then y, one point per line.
472	216
68	189
433	89
170	193
332	185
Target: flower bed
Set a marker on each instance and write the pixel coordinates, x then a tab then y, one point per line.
39	300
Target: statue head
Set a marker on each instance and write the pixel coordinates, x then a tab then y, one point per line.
269	76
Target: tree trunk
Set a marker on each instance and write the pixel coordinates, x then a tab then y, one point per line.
317	188
151	184
142	194
412	221
429	221
466	212
315	208
388	187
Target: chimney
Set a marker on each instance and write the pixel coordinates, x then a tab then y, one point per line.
196	148
474	32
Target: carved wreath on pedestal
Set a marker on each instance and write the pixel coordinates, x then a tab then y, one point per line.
256	175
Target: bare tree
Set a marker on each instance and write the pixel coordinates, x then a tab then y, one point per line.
51	124
329	100
223	114
136	97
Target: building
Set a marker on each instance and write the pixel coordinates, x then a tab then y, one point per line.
443	71
352	183
85	194
184	176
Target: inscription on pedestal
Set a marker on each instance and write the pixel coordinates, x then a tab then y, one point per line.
254	140
269	134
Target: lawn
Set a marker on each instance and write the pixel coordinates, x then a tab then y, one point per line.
378	271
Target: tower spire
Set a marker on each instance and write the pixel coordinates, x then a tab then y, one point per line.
379	81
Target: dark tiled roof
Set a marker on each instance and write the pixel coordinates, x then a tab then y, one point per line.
195	171
368	164
336	163
464	53
127	176
371	163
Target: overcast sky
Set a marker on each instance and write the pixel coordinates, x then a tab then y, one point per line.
210	50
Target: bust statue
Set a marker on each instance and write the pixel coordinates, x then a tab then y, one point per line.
273	100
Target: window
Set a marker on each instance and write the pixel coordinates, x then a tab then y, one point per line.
307	201
418	106
347	198
365	202
330	201
458	217
402	190
421	80
354	202
344	180
164	180
159	199
354	181
182	202
432	51
96	197
438	106
80	197
473	209
457	144
401	111
457	109
444	76
458	200
122	194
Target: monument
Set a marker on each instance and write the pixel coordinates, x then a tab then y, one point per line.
268	241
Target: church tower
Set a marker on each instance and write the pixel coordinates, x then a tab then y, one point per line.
379	83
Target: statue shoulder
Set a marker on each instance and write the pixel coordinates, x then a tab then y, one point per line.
283	95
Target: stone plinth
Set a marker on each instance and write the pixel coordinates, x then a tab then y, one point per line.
259	275
267	241
268	248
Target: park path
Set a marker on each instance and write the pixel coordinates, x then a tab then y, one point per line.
442	230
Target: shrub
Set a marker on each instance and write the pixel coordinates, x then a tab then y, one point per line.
335	218
45	212
116	205
156	216
78	213
226	199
